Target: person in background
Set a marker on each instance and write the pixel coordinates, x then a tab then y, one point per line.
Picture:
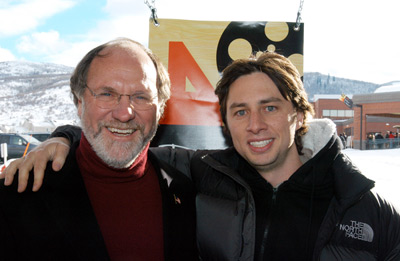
391	139
113	199
284	191
379	140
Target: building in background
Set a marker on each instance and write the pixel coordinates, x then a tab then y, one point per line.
362	116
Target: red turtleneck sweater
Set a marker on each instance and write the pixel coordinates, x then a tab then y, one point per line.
127	204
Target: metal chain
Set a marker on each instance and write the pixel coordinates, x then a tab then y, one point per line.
298	19
153	10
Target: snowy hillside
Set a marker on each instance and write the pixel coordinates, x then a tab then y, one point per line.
17	68
37	92
317	83
389	87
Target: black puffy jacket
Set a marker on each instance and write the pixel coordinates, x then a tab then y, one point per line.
358	225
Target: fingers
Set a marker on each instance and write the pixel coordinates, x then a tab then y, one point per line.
26	164
23	165
60	154
55	148
40	164
37	180
10	171
36	160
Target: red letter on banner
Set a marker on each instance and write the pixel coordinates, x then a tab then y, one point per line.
189	106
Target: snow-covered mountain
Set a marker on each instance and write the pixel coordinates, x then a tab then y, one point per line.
34	93
317	83
38	94
389	87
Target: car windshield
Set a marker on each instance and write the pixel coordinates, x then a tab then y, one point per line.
30	139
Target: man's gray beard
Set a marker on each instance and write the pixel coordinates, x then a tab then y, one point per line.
131	149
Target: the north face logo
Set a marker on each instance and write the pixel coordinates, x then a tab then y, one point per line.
358	230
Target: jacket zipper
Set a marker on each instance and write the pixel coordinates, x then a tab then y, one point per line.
267	226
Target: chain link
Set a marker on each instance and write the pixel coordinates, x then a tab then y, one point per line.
148	4
298	19
152	7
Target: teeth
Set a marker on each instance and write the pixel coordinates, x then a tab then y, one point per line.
260	144
122	132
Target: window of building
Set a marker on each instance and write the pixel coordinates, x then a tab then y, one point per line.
325	113
349	113
338	113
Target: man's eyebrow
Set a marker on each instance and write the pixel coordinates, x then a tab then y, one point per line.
106	88
236	105
271	99
263	101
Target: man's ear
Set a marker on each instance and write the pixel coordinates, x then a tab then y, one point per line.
80	104
299	120
160	111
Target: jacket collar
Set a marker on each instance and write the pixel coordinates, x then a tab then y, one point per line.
322	147
320	132
322	152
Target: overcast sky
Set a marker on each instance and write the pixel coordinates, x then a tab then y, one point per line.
355	39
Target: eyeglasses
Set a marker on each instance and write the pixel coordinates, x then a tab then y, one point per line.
108	99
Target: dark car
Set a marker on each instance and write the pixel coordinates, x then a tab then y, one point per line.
17	143
42	136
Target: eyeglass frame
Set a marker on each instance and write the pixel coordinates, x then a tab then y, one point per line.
118	99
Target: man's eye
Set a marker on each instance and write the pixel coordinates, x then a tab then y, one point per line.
270	108
141	98
240	113
107	96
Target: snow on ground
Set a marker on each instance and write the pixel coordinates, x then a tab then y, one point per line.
382	166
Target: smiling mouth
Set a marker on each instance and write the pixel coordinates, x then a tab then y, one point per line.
121	132
260	144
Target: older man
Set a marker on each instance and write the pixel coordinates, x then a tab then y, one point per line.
113	199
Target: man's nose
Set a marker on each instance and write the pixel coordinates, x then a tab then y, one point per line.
256	122
124	111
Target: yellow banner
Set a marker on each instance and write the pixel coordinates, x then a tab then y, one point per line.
196	52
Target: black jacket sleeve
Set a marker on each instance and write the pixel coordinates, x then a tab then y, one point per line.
70	132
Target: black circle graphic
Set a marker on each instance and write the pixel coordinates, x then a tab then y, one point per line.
254	33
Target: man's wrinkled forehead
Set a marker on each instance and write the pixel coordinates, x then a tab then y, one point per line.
130	55
125	51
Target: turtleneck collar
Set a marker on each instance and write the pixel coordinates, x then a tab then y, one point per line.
93	167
